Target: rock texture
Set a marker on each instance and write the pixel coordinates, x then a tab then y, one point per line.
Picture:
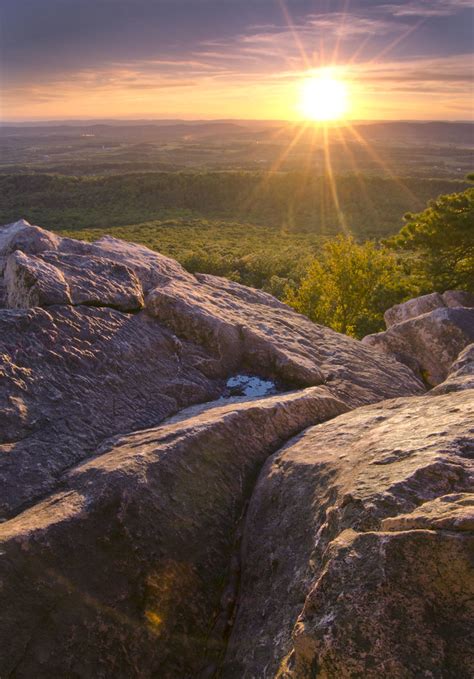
244	327
151	268
54	278
357	551
425	304
461	373
155	527
428	343
138	546
73	376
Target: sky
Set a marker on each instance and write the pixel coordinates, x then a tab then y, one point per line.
207	59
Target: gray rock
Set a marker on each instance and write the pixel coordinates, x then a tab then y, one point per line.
56	278
30	281
131	568
356	546
124	485
413	308
244	328
29	239
73	376
422	305
382	627
151	268
461	373
429	343
455	298
241	329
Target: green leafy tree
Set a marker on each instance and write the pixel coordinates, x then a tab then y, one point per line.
442	240
349	287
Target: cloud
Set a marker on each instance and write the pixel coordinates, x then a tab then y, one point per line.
344	25
455	69
223	49
427	8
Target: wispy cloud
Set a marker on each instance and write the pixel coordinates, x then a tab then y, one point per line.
427	8
348	25
437	73
381	47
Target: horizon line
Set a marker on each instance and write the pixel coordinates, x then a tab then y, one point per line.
36	121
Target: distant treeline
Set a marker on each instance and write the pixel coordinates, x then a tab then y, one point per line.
367	207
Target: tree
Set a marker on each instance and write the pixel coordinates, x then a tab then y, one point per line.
349	287
442	238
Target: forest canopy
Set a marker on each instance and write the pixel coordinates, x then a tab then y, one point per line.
281	232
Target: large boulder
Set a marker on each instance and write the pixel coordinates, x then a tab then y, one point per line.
251	329
381	626
56	278
456	298
151	267
124	486
240	328
73	376
23	236
131	569
357	550
429	343
426	303
461	373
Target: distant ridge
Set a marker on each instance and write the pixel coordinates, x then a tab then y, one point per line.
180	121
432	132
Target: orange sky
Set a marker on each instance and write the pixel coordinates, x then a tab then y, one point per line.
400	60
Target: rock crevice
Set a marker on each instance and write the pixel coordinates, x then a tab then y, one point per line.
163	516
171	499
327	509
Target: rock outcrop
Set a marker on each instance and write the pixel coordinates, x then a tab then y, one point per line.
429	342
425	304
155	527
357	550
55	278
73	376
240	328
461	373
251	329
137	546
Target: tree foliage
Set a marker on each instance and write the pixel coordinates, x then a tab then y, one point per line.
290	202
349	286
266	231
442	238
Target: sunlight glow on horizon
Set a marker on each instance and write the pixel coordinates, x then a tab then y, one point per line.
311	68
324	97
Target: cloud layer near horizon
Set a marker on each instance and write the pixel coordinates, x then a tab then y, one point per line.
232	58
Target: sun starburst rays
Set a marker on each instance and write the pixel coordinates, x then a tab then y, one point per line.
323	97
324	103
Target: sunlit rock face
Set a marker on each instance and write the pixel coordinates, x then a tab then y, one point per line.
425	304
135	550
196	481
358	542
428	333
249	329
55	278
461	373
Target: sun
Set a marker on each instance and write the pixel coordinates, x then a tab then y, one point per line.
323	97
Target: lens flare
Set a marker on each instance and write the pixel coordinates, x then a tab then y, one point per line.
324	97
